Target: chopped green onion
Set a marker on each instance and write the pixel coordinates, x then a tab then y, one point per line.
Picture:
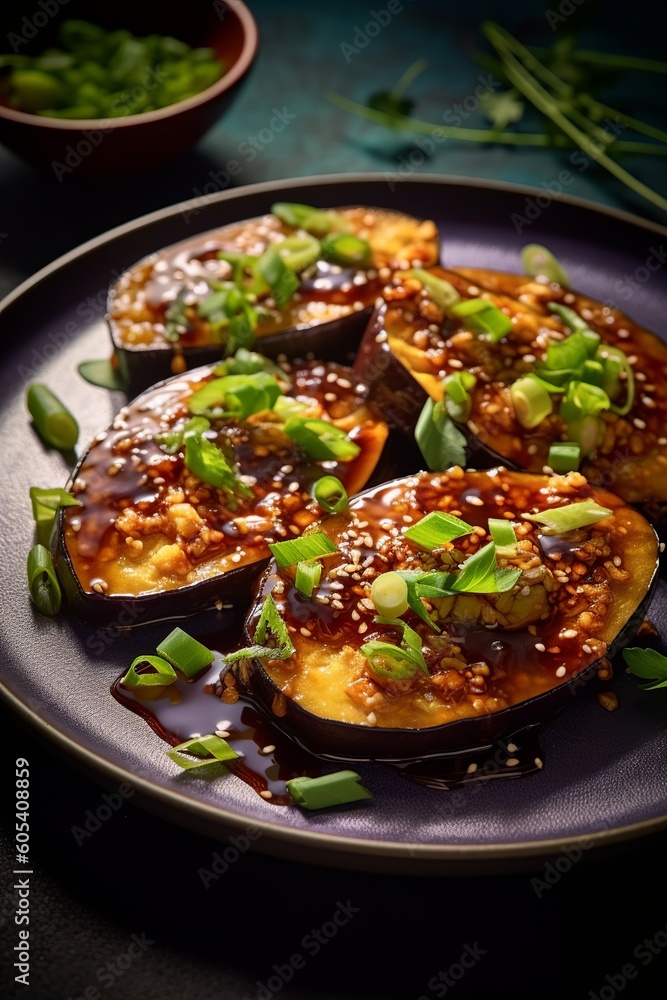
286	407
330	494
415	602
313	220
45	505
410	640
532	402
102	373
245	362
589	338
387	660
347	250
218	749
593	373
282	282
502	532
483	317
53	421
615	361
389	594
237	396
42	581
583	400
292	213
176	321
270	620
441	443
321	440
308	576
439	290
648	664
299	252
564	456
436	529
185	653
558	520
587	433
316	545
457	385
566	355
163	673
538	262
479	574
203	458
327	790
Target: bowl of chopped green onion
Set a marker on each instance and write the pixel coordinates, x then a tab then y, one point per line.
126	93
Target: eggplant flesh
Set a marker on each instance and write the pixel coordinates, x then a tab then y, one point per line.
151	538
500	661
326	317
410	347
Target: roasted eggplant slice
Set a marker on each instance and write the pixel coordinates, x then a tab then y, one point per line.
499	632
182	307
182	494
610	403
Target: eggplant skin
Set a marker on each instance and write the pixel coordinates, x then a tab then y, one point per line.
104	494
144	356
401	373
338	740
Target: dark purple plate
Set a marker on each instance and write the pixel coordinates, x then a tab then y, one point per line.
604	776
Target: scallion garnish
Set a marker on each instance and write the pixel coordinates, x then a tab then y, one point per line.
316	545
299	252
282	282
483	317
587	433
441	443
458	402
479	574
205	460
583	400
176	321
286	407
102	373
218	750
539	262
237	396
388	660
185	653
347	250
162	674
53	421
327	790
436	529
502	532
42	581
321	440
308	576
245	362
314	220
439	291
615	362
270	620
330	494
647	664
389	594
564	456
410	640
45	505
532	402
558	520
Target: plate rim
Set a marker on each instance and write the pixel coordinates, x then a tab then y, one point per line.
320	848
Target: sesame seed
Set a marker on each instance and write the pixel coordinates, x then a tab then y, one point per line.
538	763
569	633
512	747
268	749
337	605
218	605
471	768
236	558
355	616
662	441
525	591
639	423
512	761
305	631
616	560
330	397
371	719
266	794
362	628
586	648
540	647
561	672
475	501
222	733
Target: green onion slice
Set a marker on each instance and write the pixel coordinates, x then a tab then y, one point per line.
237	396
308	576
176	321
483	317
299	252
313	220
441	443
389	594
245	362
43	583
564	456
330	494
217	749
163	673
387	660
185	653
103	374
439	290
574	515
615	362
539	262
648	664
272	622
316	545
347	250
321	440
53	421
532	403
587	433
204	459
45	505
286	407
436	529
282	282
327	790
479	574
410	640
583	400
502	532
